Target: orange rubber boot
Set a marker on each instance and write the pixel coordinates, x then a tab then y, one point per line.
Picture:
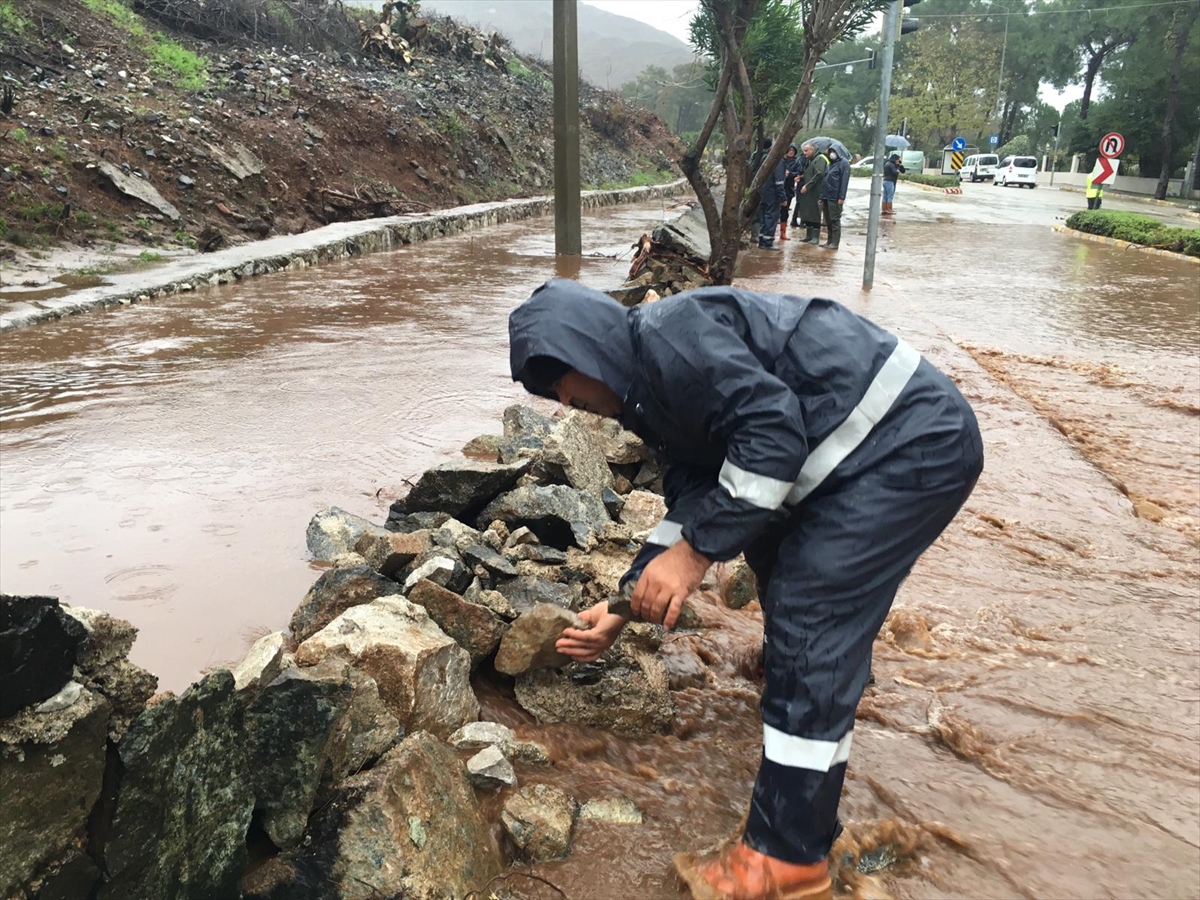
783	230
740	872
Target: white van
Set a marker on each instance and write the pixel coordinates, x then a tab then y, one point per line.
1018	170
981	167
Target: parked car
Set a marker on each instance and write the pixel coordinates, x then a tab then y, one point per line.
912	160
1018	170
980	167
866	163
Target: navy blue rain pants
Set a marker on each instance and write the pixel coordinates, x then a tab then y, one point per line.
827	577
769	200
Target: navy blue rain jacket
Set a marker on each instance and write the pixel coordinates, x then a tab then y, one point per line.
837	181
731	390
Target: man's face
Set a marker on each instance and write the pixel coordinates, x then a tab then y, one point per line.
791	154
807	149
578	390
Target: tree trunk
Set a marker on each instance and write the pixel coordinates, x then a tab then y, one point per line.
1183	22
1095	60
689	163
1009	119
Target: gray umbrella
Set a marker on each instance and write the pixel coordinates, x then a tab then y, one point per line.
824	143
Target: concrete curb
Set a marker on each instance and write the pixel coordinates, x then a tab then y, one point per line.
298	251
1125	245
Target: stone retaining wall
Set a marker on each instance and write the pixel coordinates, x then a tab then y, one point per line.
333	242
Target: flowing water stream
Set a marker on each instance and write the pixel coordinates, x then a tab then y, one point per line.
1035	726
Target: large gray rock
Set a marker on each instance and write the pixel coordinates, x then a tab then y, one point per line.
626	692
423	675
333	532
524	592
529	642
291	729
643	511
539	818
410	827
611	811
102	666
462	487
476	628
573	448
620	447
389	552
51	770
559	515
399	520
368	730
137	188
39	644
525	429
478	735
262	663
108	640
441	566
491	768
686	236
183	803
127	687
337	590
496	565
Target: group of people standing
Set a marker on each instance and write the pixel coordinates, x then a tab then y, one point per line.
817	181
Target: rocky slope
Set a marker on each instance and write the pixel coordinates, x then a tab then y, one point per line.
123	131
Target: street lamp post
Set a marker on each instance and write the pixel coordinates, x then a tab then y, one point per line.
885	93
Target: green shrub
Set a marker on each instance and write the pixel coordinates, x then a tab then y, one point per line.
11	21
149	256
20	135
120	14
1137	229
170	59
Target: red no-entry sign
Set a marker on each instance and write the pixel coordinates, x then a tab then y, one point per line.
1112	145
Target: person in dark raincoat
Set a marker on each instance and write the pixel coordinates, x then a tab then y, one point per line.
770	198
891	174
833	197
791	167
817	444
807	207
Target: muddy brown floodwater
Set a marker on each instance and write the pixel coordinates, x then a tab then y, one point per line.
1034	729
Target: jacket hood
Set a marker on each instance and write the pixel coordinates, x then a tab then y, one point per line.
576	325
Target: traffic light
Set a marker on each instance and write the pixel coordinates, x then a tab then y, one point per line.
907	24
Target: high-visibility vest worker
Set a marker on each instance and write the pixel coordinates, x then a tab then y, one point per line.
1093	192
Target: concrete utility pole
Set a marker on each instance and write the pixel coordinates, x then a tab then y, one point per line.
885	93
568	237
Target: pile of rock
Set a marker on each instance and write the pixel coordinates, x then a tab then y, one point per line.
351	749
673	259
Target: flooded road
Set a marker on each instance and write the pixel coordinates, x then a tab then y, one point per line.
161	461
1035	726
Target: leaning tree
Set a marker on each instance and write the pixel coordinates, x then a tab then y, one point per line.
824	23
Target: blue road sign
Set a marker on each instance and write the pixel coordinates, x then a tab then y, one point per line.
958	144
993	139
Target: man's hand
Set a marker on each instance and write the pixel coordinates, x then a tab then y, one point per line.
589	645
841	202
804	190
666	582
